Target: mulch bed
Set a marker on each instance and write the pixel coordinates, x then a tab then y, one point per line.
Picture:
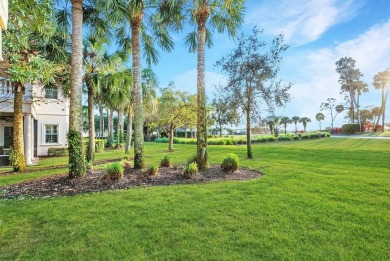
61	185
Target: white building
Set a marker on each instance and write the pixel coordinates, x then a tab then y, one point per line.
46	120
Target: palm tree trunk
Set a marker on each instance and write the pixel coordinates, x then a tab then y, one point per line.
91	130
129	129
18	141
101	121
76	155
248	135
201	134
139	160
110	121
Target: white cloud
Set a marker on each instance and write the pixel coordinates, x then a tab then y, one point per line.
317	77
188	81
302	21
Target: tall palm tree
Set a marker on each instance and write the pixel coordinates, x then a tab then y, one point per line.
84	12
295	119
320	117
304	121
205	15
285	121
142	18
382	81
97	63
76	151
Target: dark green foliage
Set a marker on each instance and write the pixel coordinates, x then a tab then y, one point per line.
230	163
350	128
57	152
14	159
114	171
76	154
190	170
166	161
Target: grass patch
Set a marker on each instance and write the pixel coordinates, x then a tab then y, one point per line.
319	199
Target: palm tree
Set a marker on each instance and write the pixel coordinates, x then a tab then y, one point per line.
204	15
320	117
285	121
76	151
304	121
382	81
97	64
140	17
295	119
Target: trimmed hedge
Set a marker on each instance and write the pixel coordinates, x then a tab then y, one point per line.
350	128
242	140
57	152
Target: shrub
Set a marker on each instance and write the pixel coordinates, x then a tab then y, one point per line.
99	145
166	161
126	163
271	138
230	163
190	170
114	171
350	128
296	137
57	152
151	171
14	158
336	130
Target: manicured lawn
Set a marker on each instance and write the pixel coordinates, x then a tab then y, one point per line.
319	199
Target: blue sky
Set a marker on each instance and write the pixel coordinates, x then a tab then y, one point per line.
319	31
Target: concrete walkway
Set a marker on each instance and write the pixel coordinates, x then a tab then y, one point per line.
359	136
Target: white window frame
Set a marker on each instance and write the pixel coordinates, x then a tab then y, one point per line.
44	134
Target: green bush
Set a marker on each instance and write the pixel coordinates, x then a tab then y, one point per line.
99	145
114	171
296	137
166	161
350	128
57	152
230	163
151	171
190	170
14	158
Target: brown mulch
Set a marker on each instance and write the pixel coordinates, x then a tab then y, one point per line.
32	170
61	185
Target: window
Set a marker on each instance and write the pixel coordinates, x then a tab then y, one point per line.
51	133
51	92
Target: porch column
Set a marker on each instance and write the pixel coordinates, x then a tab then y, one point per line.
28	138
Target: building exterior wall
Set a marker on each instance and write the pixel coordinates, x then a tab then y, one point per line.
3	14
46	111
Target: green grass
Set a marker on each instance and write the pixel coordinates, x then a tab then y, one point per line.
378	134
319	199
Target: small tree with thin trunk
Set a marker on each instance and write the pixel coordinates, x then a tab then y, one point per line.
320	117
330	104
223	114
252	82
171	111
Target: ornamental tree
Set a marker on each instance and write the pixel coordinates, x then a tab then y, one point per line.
252	84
